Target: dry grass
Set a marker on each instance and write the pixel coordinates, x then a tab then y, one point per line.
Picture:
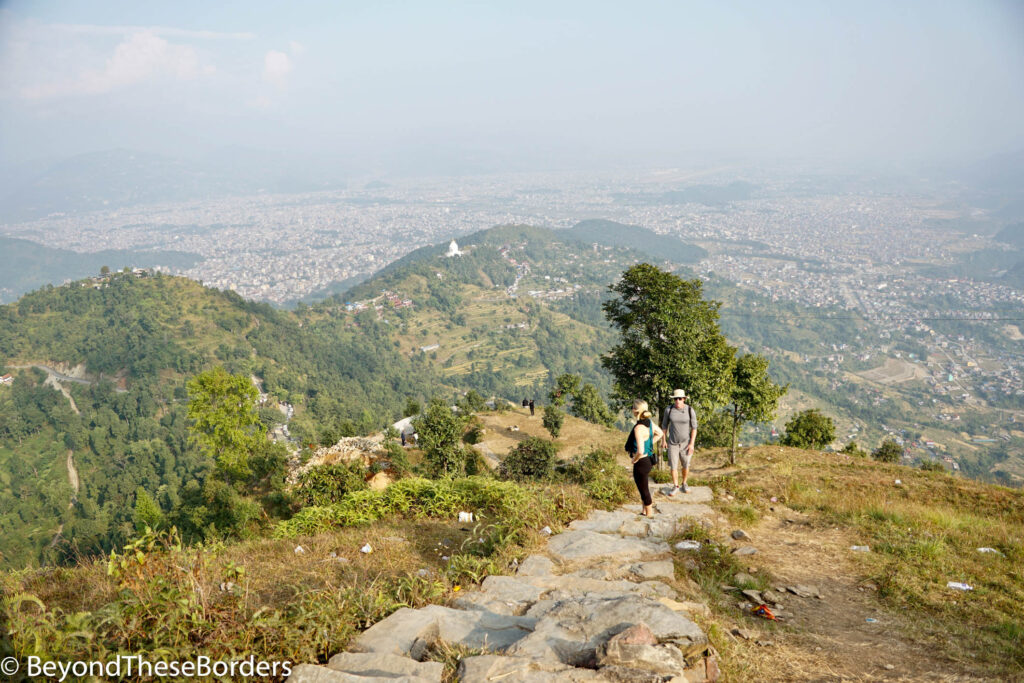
577	436
922	534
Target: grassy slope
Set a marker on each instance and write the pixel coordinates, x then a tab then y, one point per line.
922	534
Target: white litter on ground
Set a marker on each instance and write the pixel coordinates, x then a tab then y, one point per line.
688	545
959	586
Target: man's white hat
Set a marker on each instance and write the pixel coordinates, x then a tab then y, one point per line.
678	393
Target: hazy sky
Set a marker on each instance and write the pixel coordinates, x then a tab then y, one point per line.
549	82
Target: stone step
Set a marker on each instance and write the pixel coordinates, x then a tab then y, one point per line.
488	668
639	571
384	665
311	673
696	494
410	632
577	549
670	519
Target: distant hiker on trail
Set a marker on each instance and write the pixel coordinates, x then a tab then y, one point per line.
531	407
679	424
640	446
526	403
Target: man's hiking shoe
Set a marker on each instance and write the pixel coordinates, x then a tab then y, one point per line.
673	492
686	489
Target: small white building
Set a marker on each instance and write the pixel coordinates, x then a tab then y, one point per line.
453	249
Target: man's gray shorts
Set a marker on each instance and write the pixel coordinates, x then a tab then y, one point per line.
677	452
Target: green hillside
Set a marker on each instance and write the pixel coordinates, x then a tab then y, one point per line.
519	307
28	265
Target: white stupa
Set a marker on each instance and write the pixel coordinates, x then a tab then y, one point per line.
453	249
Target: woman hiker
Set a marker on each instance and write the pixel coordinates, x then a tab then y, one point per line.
640	446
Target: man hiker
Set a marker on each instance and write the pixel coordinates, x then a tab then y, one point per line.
679	427
531	407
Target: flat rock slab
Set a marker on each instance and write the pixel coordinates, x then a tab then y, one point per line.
571	585
678	512
603	521
638	571
696	494
536	565
578	549
488	668
570	631
508	588
311	673
408	632
502	595
384	665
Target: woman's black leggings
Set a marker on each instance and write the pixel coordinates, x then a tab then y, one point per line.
641	470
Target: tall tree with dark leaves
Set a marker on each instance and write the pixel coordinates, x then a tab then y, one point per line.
669	339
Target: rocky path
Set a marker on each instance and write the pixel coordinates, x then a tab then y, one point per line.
594	607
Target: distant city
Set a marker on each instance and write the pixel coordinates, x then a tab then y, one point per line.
862	250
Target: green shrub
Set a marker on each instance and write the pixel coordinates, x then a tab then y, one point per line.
552	420
932	466
399	461
532	458
853	449
475	463
659	476
809	429
474	434
326	484
604	480
889	451
440	435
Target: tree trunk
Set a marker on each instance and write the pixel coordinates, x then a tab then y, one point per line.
735	422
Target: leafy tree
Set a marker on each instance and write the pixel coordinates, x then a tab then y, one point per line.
715	430
809	429
889	451
532	458
147	512
552	420
225	423
566	385
587	403
473	402
412	407
669	338
754	396
105	270
440	435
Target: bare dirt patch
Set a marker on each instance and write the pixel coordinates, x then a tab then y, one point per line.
895	371
831	636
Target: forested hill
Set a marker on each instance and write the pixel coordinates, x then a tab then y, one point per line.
503	318
138	340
